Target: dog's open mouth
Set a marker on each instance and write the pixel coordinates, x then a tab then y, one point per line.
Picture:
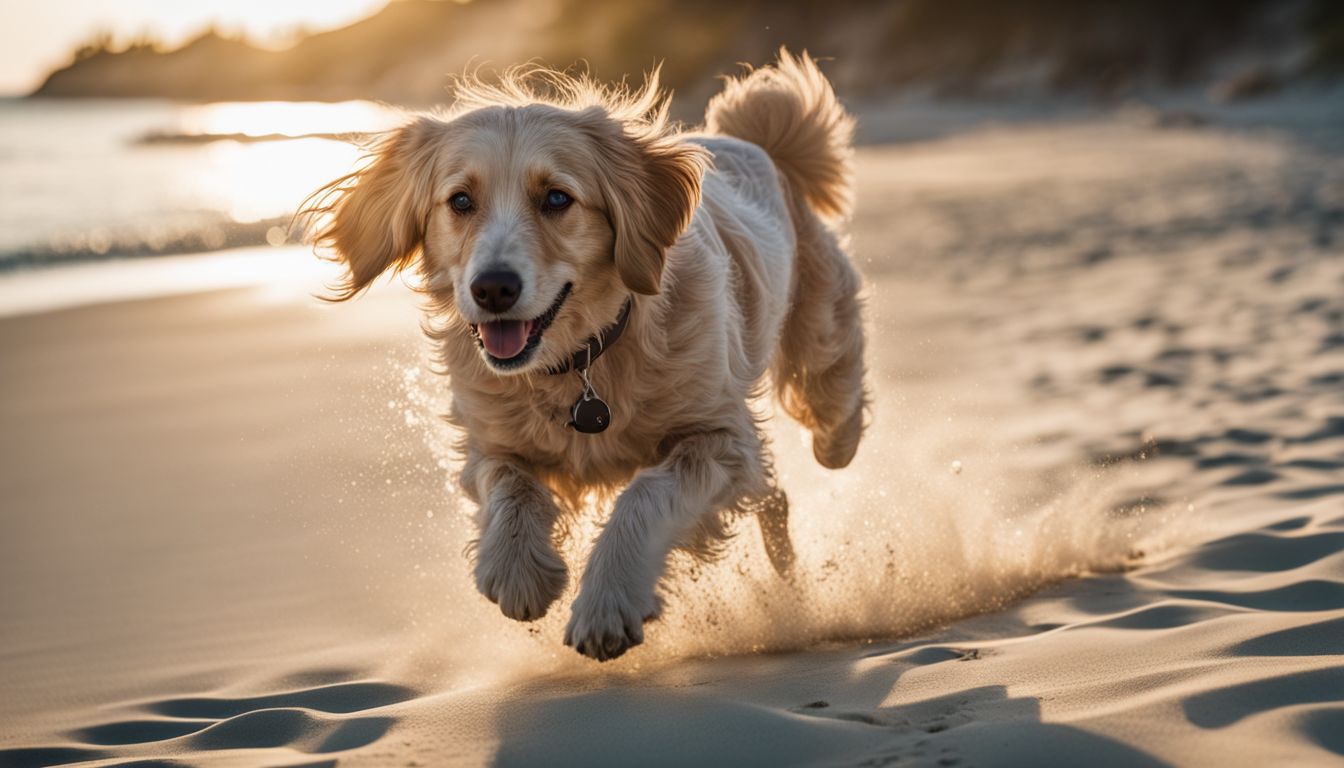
510	342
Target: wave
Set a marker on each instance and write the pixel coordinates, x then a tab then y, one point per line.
156	138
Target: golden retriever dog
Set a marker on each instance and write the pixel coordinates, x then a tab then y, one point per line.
610	295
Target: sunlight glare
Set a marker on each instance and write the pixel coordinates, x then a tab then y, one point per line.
252	182
263	118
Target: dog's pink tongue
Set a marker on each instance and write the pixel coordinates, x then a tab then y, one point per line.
504	338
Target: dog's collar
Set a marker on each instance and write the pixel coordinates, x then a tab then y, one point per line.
596	345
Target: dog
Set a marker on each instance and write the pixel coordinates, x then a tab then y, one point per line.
609	296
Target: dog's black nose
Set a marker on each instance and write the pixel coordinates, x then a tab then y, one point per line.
496	291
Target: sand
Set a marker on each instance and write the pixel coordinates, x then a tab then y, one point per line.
1099	518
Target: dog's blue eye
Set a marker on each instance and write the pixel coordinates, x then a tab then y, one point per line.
557	200
461	202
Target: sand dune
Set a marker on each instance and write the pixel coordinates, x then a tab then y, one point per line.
1099	519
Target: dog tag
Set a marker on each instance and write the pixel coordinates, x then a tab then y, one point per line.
590	415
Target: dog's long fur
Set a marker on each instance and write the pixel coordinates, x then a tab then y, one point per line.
729	241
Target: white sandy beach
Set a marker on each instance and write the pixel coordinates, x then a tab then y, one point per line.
1099	519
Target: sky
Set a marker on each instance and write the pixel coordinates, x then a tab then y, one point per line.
38	36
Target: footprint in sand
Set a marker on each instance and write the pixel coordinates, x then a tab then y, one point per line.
317	720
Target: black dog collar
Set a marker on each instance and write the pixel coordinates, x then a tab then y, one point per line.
596	345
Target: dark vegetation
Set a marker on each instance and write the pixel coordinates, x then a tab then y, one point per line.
1102	48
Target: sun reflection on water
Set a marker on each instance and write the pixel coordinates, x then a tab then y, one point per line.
255	182
286	118
91	181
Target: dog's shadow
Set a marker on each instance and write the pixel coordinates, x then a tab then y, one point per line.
715	724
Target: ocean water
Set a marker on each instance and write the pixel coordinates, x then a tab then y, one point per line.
92	180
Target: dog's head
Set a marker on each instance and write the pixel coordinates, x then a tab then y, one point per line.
531	217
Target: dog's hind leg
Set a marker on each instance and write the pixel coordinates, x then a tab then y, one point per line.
772	513
819	371
770	506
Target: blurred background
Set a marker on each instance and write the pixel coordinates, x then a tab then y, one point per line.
155	127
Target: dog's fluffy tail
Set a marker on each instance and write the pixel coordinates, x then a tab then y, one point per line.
789	110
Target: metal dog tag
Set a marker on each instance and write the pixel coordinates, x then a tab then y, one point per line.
590	414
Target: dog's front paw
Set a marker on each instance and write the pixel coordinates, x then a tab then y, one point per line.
606	623
521	572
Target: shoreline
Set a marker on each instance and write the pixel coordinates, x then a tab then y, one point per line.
292	270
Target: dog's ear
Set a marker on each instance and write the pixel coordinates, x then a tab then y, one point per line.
374	218
651	186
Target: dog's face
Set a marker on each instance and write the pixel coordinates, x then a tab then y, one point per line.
533	223
522	233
